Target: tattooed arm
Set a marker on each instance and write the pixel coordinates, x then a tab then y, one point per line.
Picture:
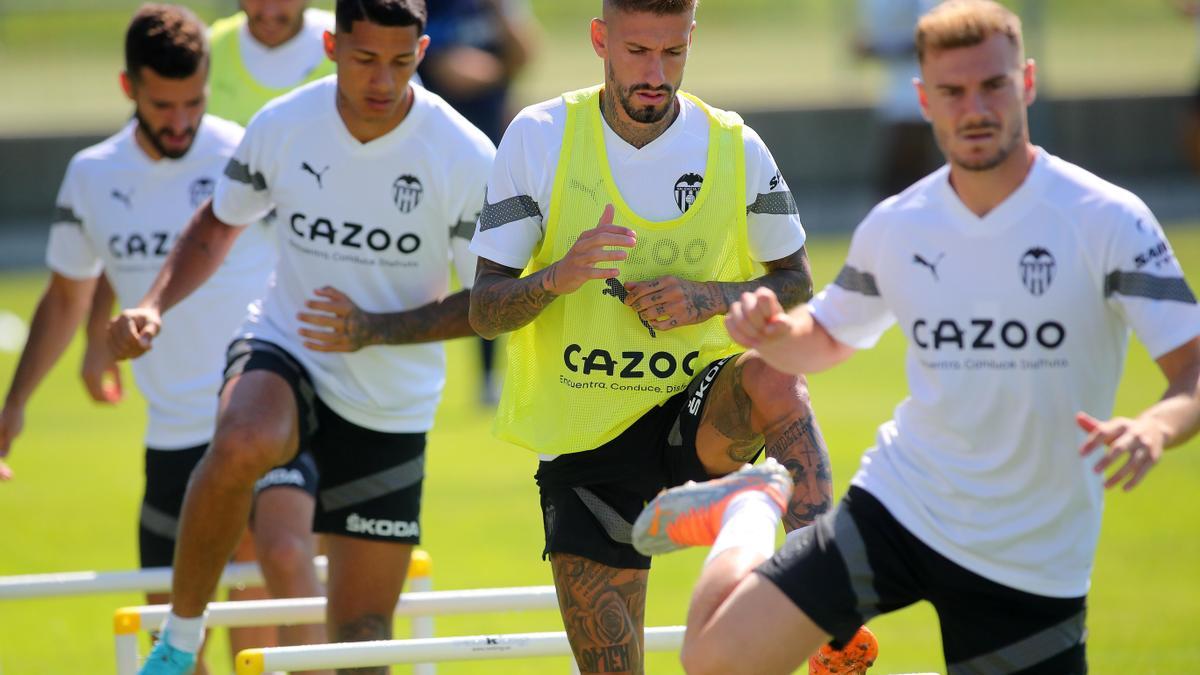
342	326
200	250
669	302
503	301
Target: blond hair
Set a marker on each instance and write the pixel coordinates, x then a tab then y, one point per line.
966	23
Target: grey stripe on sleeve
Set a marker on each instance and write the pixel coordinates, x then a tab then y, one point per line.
776	203
375	485
240	172
858	282
65	214
1027	652
1143	285
463	229
507	211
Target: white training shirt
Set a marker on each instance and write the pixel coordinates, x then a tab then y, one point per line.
119	212
288	64
654	181
1015	322
379	221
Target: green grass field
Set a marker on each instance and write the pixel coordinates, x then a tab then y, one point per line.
73	506
63	57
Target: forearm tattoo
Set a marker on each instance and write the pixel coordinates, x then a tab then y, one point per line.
439	320
502	302
367	627
603	610
790	278
799	447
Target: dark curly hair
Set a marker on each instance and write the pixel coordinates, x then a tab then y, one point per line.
167	39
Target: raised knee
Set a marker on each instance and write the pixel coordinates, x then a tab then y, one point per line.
769	388
283	553
245	452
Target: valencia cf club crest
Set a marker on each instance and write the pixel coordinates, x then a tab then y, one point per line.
201	189
686	189
1037	270
406	192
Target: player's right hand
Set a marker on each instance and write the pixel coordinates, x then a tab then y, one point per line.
100	373
581	263
132	331
758	320
12	420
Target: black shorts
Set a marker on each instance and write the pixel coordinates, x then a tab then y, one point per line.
590	498
167	475
858	561
370	481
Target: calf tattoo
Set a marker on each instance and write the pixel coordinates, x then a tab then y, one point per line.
798	446
366	627
603	610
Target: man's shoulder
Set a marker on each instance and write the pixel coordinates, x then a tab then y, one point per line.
102	156
1086	197
915	201
305	103
317	19
454	133
544	118
220	134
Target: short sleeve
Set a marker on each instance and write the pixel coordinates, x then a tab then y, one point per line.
243	195
70	252
773	225
1144	283
468	205
852	308
510	222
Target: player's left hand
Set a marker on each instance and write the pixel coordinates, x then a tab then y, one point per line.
669	302
345	327
1138	440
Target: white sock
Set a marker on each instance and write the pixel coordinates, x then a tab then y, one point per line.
749	522
184	634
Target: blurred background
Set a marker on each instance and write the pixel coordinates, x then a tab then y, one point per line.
1116	84
825	83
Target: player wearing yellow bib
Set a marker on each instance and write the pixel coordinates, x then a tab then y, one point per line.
265	51
621	374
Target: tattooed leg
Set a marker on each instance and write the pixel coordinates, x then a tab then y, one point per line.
364	582
752	405
604	611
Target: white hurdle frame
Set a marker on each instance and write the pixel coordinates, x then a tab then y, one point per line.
146	580
468	648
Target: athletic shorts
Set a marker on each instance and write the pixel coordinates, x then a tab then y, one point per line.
857	562
370	481
590	498
167	474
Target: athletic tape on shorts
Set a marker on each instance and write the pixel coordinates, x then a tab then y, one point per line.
158	522
1027	652
375	485
618	529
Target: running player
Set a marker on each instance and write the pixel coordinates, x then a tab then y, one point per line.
619	364
122	206
375	183
265	51
1016	277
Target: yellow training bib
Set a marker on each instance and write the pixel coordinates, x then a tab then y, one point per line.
234	94
587	367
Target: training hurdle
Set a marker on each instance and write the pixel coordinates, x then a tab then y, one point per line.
147	580
468	648
419	603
